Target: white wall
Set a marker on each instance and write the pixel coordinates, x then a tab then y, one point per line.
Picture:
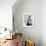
38	33
43	22
34	32
6	13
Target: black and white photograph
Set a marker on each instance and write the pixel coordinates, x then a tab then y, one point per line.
28	20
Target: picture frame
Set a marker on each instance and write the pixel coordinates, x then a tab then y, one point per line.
28	19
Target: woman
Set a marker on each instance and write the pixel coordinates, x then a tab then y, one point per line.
29	21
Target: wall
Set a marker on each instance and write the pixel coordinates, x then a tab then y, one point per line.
29	33
6	13
43	22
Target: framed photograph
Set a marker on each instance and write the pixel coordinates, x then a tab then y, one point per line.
28	20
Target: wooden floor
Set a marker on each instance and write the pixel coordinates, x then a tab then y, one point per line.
9	43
